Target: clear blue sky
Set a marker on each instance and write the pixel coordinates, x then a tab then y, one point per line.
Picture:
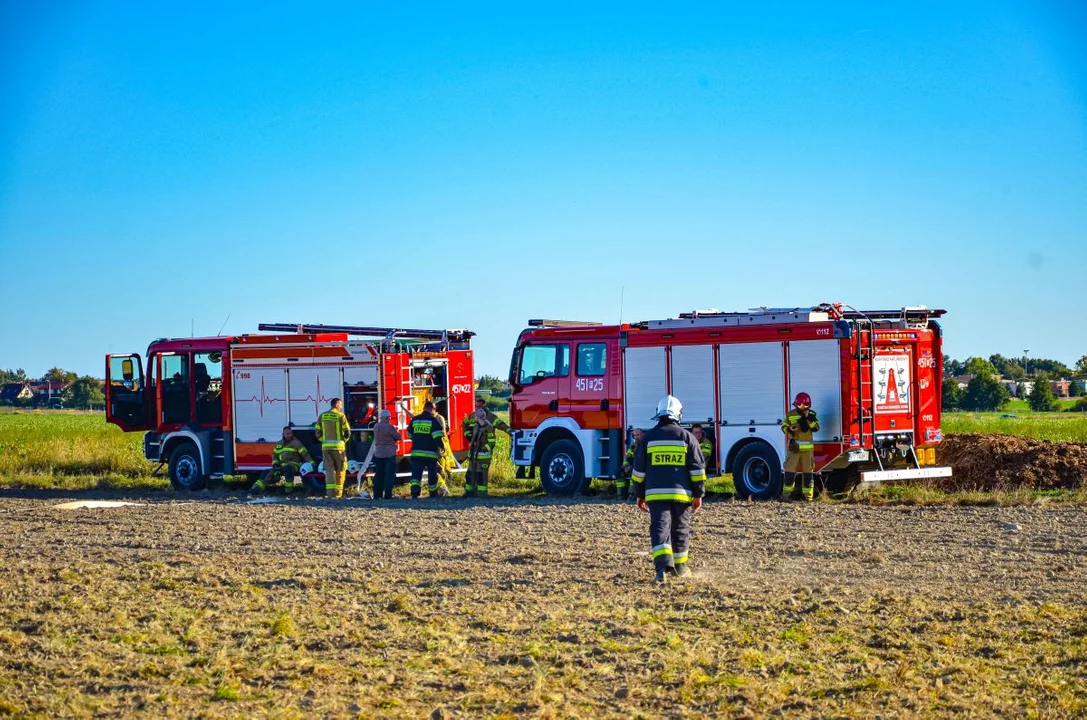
468	165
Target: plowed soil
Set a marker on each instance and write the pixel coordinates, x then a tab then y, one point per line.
538	608
1005	462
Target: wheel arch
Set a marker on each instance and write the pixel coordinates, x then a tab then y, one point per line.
746	442
178	437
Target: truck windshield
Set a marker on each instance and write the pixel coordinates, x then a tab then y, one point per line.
543	361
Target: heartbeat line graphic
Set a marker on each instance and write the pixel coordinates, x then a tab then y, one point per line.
263	399
317	401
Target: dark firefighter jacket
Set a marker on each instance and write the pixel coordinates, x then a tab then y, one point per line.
426	436
668	465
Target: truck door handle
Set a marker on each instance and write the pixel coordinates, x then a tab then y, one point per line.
604	404
553	405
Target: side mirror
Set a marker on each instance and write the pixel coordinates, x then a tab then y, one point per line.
128	371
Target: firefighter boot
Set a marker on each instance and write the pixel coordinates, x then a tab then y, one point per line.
809	487
797	493
620	492
662	577
682	570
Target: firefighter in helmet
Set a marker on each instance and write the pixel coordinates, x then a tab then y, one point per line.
669	480
622	483
479	430
800	427
287	458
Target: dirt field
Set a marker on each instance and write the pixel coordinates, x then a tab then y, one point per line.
538	608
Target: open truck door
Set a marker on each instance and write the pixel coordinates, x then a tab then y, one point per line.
126	395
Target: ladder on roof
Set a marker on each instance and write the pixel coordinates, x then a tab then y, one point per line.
443	338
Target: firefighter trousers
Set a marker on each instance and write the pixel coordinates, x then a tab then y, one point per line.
271	477
803	486
669	533
335	470
476	480
622	484
418	465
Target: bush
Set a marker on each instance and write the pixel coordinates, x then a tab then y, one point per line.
984	394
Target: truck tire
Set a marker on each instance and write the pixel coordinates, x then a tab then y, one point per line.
562	469
756	472
185	468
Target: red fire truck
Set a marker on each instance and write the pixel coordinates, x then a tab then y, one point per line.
216	406
874	378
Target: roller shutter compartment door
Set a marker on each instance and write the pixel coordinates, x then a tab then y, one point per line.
646	381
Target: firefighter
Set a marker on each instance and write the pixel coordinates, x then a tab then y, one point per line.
799	427
479	430
333	431
287	458
704	444
622	483
427	450
669	481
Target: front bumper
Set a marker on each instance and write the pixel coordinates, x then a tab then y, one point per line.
878	476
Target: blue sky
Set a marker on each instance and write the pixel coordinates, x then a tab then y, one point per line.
165	166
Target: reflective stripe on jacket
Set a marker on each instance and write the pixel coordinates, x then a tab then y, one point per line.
803	438
293	453
668	465
426	436
333	430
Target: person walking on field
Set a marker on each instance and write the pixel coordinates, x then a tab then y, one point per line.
800	428
669	482
333	431
287	458
479	429
386	436
427	450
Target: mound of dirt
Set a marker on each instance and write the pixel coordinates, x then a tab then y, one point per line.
1005	462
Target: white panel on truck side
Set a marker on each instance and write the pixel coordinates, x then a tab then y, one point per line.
260	404
692	381
646	375
311	389
815	368
752	383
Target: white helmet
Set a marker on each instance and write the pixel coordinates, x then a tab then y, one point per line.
669	406
321	467
306	468
352	467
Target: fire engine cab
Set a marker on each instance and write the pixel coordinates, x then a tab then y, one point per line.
874	377
217	406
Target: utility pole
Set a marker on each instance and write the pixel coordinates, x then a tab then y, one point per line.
1026	362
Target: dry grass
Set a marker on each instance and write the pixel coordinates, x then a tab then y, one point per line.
87	642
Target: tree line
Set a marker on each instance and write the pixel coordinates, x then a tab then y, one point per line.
986	393
79	392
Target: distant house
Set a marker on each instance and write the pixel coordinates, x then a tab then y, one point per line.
16	391
962	380
1061	388
1018	388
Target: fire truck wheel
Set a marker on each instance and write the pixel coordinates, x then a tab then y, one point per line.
756	472
562	471
185	468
